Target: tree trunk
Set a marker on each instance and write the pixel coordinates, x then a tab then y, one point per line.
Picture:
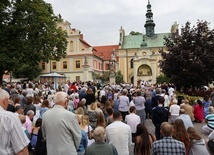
1	78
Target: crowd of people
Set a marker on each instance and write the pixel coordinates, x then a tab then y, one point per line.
94	119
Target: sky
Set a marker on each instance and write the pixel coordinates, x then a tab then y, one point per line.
100	20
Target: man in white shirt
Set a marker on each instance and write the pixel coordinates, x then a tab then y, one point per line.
132	120
119	134
66	87
13	139
171	91
102	93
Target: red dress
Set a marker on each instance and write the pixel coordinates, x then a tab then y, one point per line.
198	112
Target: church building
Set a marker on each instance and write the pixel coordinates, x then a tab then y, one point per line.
139	53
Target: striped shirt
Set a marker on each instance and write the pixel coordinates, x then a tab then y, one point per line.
210	120
13	139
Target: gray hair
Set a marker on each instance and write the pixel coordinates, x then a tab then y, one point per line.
30	112
125	92
211	109
60	97
174	101
83	100
4	94
99	134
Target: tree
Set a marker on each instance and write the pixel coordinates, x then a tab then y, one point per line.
190	57
119	77
5	61
25	70
134	33
162	78
31	29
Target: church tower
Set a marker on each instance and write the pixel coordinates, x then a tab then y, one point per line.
149	25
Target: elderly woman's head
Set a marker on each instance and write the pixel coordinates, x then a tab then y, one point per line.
99	134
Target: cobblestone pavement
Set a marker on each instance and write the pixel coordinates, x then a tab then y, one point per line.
151	129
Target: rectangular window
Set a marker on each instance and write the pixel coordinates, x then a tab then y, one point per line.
77	64
107	67
53	65
43	66
64	64
77	78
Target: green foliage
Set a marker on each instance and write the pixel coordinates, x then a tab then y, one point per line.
119	77
29	35
191	99
190	57
105	77
5	55
26	70
162	78
134	33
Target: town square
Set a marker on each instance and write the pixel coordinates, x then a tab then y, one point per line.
106	77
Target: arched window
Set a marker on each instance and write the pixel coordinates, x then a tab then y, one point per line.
131	63
71	46
144	70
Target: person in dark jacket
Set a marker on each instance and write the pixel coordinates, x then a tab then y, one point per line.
90	97
155	98
82	93
159	115
40	148
29	105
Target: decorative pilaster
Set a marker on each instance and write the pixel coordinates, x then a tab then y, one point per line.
85	69
135	69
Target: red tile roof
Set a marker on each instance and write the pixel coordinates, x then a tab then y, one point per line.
104	52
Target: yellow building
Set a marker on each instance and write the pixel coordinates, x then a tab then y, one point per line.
139	53
82	61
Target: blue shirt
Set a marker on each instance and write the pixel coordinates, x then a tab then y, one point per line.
83	143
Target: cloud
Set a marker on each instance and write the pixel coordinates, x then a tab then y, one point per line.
100	20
